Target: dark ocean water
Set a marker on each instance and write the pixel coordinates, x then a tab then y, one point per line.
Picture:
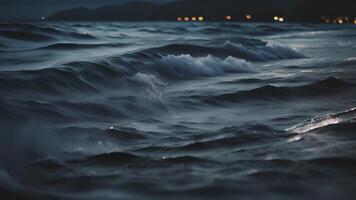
177	111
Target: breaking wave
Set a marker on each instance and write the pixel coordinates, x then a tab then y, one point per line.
185	66
258	51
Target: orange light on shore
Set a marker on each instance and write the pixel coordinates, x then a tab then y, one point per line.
248	17
281	19
194	19
201	18
276	18
340	21
354	21
179	19
228	17
186	19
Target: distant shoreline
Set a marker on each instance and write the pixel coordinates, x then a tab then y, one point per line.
316	11
167	21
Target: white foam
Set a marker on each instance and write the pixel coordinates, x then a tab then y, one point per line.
320	122
148	79
153	83
314	124
270	51
283	50
185	66
351	59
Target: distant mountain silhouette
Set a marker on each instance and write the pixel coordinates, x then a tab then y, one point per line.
261	10
132	11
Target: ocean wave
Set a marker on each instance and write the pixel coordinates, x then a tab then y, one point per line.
337	123
123	159
43	111
244	81
91	111
47	81
112	134
76	110
212	30
290	169
251	51
231	25
27	29
270	51
272	28
186	66
75	77
123	91
25	36
76	35
74	46
114	158
188	160
346	62
157	31
260	30
335	162
184	49
227	137
201	146
324	87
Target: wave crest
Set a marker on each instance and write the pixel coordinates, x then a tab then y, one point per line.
318	123
247	49
186	66
269	51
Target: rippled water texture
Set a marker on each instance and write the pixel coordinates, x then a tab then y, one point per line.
177	111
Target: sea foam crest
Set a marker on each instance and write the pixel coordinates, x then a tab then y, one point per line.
186	66
320	122
269	51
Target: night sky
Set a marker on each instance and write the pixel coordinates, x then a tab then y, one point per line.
35	9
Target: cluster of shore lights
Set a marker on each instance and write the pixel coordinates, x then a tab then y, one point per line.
339	20
201	18
229	17
187	19
278	19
